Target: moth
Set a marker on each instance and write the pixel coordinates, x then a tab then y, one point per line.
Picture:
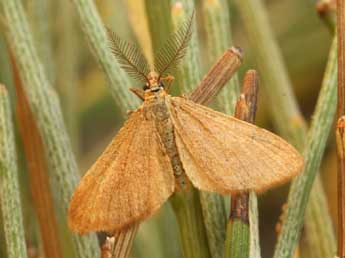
170	142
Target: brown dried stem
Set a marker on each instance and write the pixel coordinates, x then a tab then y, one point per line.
217	76
340	126
37	168
239	213
340	137
326	10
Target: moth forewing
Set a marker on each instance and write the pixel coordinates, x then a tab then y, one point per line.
223	154
128	182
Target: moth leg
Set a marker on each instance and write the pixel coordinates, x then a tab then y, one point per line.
138	92
168	79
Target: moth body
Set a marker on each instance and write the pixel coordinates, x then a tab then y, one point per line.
156	107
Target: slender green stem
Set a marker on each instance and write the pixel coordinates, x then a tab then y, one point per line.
313	151
9	187
218	39
285	112
314	233
254	244
97	37
188	212
67	59
40	20
189	71
287	116
238	244
159	20
5	65
46	108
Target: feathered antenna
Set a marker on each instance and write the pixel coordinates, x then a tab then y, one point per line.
129	56
168	57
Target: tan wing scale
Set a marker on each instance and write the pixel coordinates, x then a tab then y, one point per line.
128	182
223	154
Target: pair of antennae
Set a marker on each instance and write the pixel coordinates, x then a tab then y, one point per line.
166	59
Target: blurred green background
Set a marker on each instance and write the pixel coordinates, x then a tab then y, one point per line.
93	118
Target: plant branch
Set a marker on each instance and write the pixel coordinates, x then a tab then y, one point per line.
326	10
9	186
238	234
313	151
217	77
341	126
189	72
217	25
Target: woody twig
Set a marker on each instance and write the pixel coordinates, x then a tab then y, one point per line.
218	76
326	10
340	131
238	245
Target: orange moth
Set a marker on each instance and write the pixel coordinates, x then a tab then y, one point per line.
168	142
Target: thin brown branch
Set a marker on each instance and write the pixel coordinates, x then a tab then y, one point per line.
245	110
340	126
38	172
340	137
325	7
217	76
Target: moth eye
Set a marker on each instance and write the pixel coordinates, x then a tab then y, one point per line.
145	87
161	85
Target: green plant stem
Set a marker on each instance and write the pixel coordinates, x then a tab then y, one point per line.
67	60
287	116
313	232
159	20
218	39
188	212
39	13
45	106
238	244
313	151
9	187
285	113
238	238
97	37
254	244
189	71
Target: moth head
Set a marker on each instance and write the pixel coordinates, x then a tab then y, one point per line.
154	83
166	59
